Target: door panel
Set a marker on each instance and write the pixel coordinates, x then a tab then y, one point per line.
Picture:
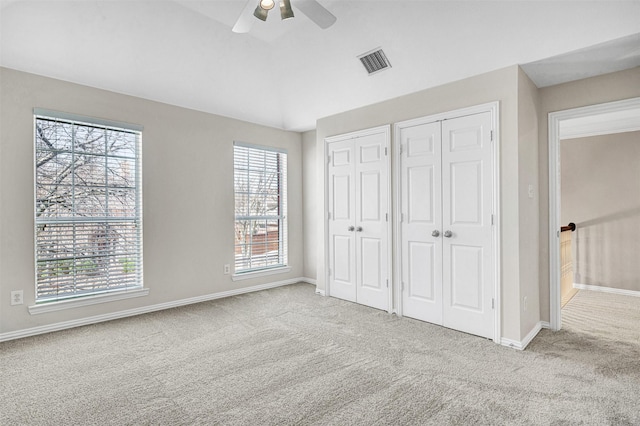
466	192
370	252
421	252
371	172
466	272
467	208
370	196
341	217
340	200
420	281
342	259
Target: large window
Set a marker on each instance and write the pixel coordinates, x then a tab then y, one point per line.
260	185
88	206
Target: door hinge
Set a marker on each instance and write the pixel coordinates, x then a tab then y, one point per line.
492	136
402	286
387	283
400	149
385	150
328	159
386	217
491	219
493	303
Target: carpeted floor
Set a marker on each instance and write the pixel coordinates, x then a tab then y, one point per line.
287	356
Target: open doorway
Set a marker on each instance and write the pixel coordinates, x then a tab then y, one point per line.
586	122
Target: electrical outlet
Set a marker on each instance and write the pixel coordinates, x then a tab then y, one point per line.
227	269
525	303
16	297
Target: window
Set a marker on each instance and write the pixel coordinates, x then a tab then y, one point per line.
260	186
88	214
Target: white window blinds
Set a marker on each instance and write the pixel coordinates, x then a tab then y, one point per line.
88	206
260	187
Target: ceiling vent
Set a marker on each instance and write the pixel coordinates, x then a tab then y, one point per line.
374	61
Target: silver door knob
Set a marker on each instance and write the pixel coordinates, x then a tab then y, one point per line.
351	228
448	233
359	229
435	233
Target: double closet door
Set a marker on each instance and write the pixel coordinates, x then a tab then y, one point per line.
446	218
358	237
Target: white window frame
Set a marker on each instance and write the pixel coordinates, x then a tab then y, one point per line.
281	265
127	288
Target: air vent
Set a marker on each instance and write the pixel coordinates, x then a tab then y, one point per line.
374	61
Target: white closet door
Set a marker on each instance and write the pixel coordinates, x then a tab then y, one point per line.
358	191
342	211
371	172
421	224
466	204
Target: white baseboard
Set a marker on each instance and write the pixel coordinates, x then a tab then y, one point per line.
321	292
308	280
522	345
611	290
138	311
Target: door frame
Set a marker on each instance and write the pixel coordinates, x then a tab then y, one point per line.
386	129
571	123
494	109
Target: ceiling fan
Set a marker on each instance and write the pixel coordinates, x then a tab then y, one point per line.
311	8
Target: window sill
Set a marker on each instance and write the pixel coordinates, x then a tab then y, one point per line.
86	301
256	274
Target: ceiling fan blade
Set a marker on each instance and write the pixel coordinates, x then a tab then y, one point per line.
245	20
316	12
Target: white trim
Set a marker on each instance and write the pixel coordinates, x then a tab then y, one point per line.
84	119
138	311
620	121
307	280
78	302
261	147
522	345
262	273
602	289
320	292
494	109
555	121
397	224
545	324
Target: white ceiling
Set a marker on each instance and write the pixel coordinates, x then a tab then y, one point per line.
287	74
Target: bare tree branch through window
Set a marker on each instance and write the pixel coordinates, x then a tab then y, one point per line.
87	208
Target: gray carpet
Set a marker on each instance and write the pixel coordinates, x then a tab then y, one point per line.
287	356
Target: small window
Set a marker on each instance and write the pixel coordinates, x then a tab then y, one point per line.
88	211
260	187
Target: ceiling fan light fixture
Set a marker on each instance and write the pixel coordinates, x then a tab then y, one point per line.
267	4
285	9
261	13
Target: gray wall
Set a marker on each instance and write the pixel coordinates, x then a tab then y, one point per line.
600	185
312	210
187	186
529	240
590	91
